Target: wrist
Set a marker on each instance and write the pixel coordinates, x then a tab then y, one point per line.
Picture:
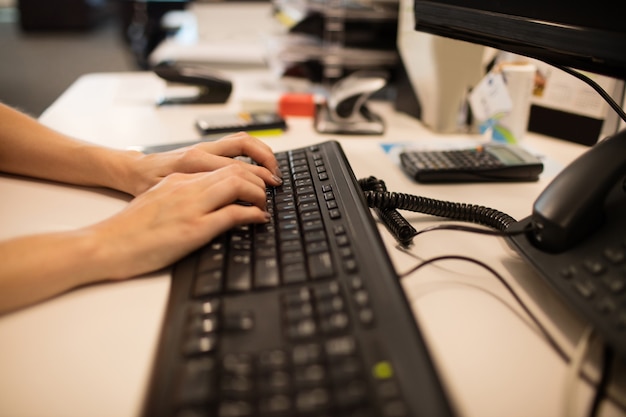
90	252
122	171
103	255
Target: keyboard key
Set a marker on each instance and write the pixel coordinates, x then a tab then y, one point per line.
239	271
198	382
305	354
235	409
330	306
237	363
345	370
294	273
316	246
266	273
328	290
276	406
335	323
275	382
395	409
299	312
297	297
350	395
208	283
309	376
312	225
202	324
238	321
271	360
340	347
312	401
204	308
237	386
304	329
321	265
195	345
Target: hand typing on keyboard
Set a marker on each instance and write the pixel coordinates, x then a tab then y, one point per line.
178	215
148	170
183	199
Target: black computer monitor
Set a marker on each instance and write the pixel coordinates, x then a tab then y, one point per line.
588	35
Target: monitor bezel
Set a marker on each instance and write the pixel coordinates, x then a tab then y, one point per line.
585	48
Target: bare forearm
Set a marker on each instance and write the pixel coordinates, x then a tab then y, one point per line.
29	148
35	268
32	149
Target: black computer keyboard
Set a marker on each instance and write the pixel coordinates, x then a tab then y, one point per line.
303	316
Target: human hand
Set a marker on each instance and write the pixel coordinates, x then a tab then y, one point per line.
147	170
178	215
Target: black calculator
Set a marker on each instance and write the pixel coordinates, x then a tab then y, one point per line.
487	162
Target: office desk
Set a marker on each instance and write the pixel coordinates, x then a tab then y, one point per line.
89	352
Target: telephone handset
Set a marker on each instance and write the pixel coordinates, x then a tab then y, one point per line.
576	238
572	206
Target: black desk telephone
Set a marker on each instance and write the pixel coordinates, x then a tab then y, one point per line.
576	237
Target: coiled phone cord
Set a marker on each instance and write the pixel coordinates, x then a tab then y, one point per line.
399	227
385	202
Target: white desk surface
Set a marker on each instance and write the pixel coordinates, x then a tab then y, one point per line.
89	352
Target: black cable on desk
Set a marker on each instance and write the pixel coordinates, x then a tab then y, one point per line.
608	352
600	393
510	289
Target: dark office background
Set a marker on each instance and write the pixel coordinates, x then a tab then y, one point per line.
36	66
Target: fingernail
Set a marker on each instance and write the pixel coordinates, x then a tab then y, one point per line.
277	173
277	179
268	217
